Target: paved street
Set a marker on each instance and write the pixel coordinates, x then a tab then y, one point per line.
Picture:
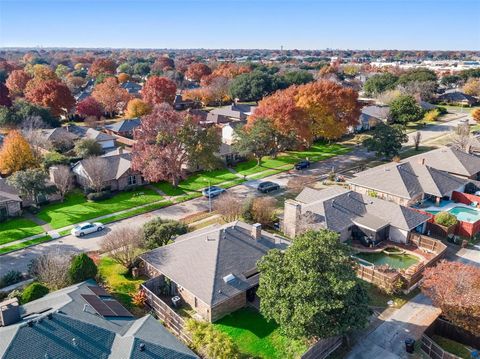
433	131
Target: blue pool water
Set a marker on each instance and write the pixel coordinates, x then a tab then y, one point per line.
463	214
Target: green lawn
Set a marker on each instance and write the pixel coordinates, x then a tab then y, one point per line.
378	298
255	337
318	152
77	209
135	212
118	281
21	245
452	346
17	228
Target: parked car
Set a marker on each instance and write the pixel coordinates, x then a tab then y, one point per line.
268	186
86	228
302	165
212	191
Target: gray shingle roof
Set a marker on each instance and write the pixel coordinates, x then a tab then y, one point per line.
125	125
91	133
408	180
339	208
379	112
450	160
95	336
115	164
200	260
7	192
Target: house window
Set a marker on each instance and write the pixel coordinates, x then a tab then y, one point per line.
132	180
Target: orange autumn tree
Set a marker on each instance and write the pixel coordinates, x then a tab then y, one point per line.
52	94
281	108
158	90
16	154
17	81
102	66
331	108
112	97
196	71
137	108
476	114
455	288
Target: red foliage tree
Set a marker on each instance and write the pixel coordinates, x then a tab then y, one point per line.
4	96
17	81
52	94
90	107
158	90
111	96
162	63
158	153
196	71
102	66
281	108
455	288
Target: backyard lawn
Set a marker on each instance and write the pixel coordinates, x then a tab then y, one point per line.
118	281
18	228
378	298
76	208
318	152
255	337
452	346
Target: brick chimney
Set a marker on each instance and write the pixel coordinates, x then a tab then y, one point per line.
256	231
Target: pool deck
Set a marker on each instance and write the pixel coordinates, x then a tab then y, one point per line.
408	248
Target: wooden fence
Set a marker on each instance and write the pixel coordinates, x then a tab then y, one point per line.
380	279
167	315
322	348
433	350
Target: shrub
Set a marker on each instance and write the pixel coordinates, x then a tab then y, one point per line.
99	196
431	115
445	219
82	268
211	343
54	158
33	291
159	232
10	278
442	110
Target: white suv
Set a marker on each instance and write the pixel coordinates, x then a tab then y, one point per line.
86	228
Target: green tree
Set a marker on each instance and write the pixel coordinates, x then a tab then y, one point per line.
201	144
405	109
158	231
126	68
33	291
88	147
386	140
297	77
311	289
31	183
141	68
420	74
82	268
61	71
252	86
379	83
258	140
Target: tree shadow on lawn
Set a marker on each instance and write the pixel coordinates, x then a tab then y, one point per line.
251	320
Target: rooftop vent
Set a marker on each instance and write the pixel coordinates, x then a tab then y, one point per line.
74	342
142	347
229	278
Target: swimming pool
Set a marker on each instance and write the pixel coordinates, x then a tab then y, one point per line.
464	214
397	261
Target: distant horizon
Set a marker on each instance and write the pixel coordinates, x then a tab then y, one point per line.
403	25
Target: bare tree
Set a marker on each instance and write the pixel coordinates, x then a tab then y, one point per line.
62	177
263	210
51	268
96	171
123	245
297	184
229	207
417	137
31	130
461	137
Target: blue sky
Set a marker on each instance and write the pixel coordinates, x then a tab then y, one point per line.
302	24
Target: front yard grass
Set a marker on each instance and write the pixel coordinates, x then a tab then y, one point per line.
118	282
255	337
21	245
18	228
76	208
318	152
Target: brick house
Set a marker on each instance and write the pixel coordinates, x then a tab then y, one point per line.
118	172
213	270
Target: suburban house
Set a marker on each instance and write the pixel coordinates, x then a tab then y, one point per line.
83	321
353	215
407	183
213	270
234	112
117	172
132	87
180	104
10	201
426	106
105	140
124	128
457	97
58	137
451	160
371	116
